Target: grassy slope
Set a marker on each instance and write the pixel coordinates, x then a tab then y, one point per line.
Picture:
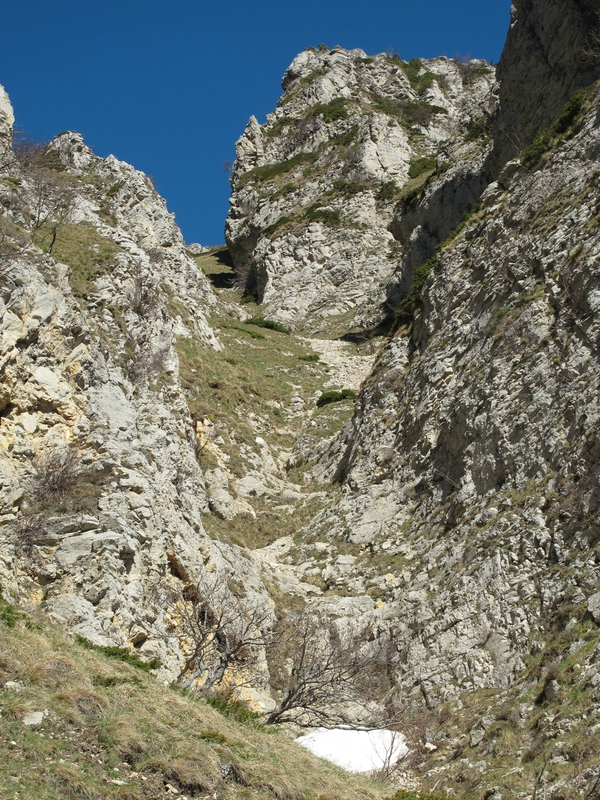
531	735
113	731
246	391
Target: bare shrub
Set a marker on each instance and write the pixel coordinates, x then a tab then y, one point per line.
28	531
146	363
389	757
326	674
156	255
143	297
221	635
417	722
26	150
58	472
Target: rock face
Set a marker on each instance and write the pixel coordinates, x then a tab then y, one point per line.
457	512
472	459
551	51
352	144
101	493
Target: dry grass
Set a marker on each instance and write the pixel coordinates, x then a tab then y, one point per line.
87	252
520	744
113	731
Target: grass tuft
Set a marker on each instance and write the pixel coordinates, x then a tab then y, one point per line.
120	654
270	324
332	396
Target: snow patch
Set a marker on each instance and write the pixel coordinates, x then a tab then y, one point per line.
356	751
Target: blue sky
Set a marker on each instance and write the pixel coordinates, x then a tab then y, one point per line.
168	85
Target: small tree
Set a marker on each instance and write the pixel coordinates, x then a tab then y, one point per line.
326	675
51	201
220	634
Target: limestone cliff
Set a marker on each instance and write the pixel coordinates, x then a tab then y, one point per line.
352	145
455	515
102	495
551	51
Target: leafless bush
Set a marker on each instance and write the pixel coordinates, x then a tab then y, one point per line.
326	674
143	297
26	150
51	201
220	634
156	255
28	531
389	757
417	722
146	363
58	471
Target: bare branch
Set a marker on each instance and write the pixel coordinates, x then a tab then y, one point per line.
221	635
326	675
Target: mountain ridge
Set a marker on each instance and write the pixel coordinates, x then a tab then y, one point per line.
449	514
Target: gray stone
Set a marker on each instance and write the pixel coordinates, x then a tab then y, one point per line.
594	606
33	718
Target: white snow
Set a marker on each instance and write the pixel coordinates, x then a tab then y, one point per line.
356	751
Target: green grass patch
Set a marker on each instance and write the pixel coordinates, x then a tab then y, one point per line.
331	112
120	654
312	358
286	189
280	223
325	215
270	171
9	615
409	114
87	252
278	126
421	83
387	191
413	190
412	301
332	396
231	707
566	126
270	324
316	73
421	164
500	314
402	794
459	228
115	188
349	188
481	128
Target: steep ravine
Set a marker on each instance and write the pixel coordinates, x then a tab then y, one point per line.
154	432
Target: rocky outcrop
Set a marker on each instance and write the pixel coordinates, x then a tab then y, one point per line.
351	146
551	51
470	465
101	493
7	119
